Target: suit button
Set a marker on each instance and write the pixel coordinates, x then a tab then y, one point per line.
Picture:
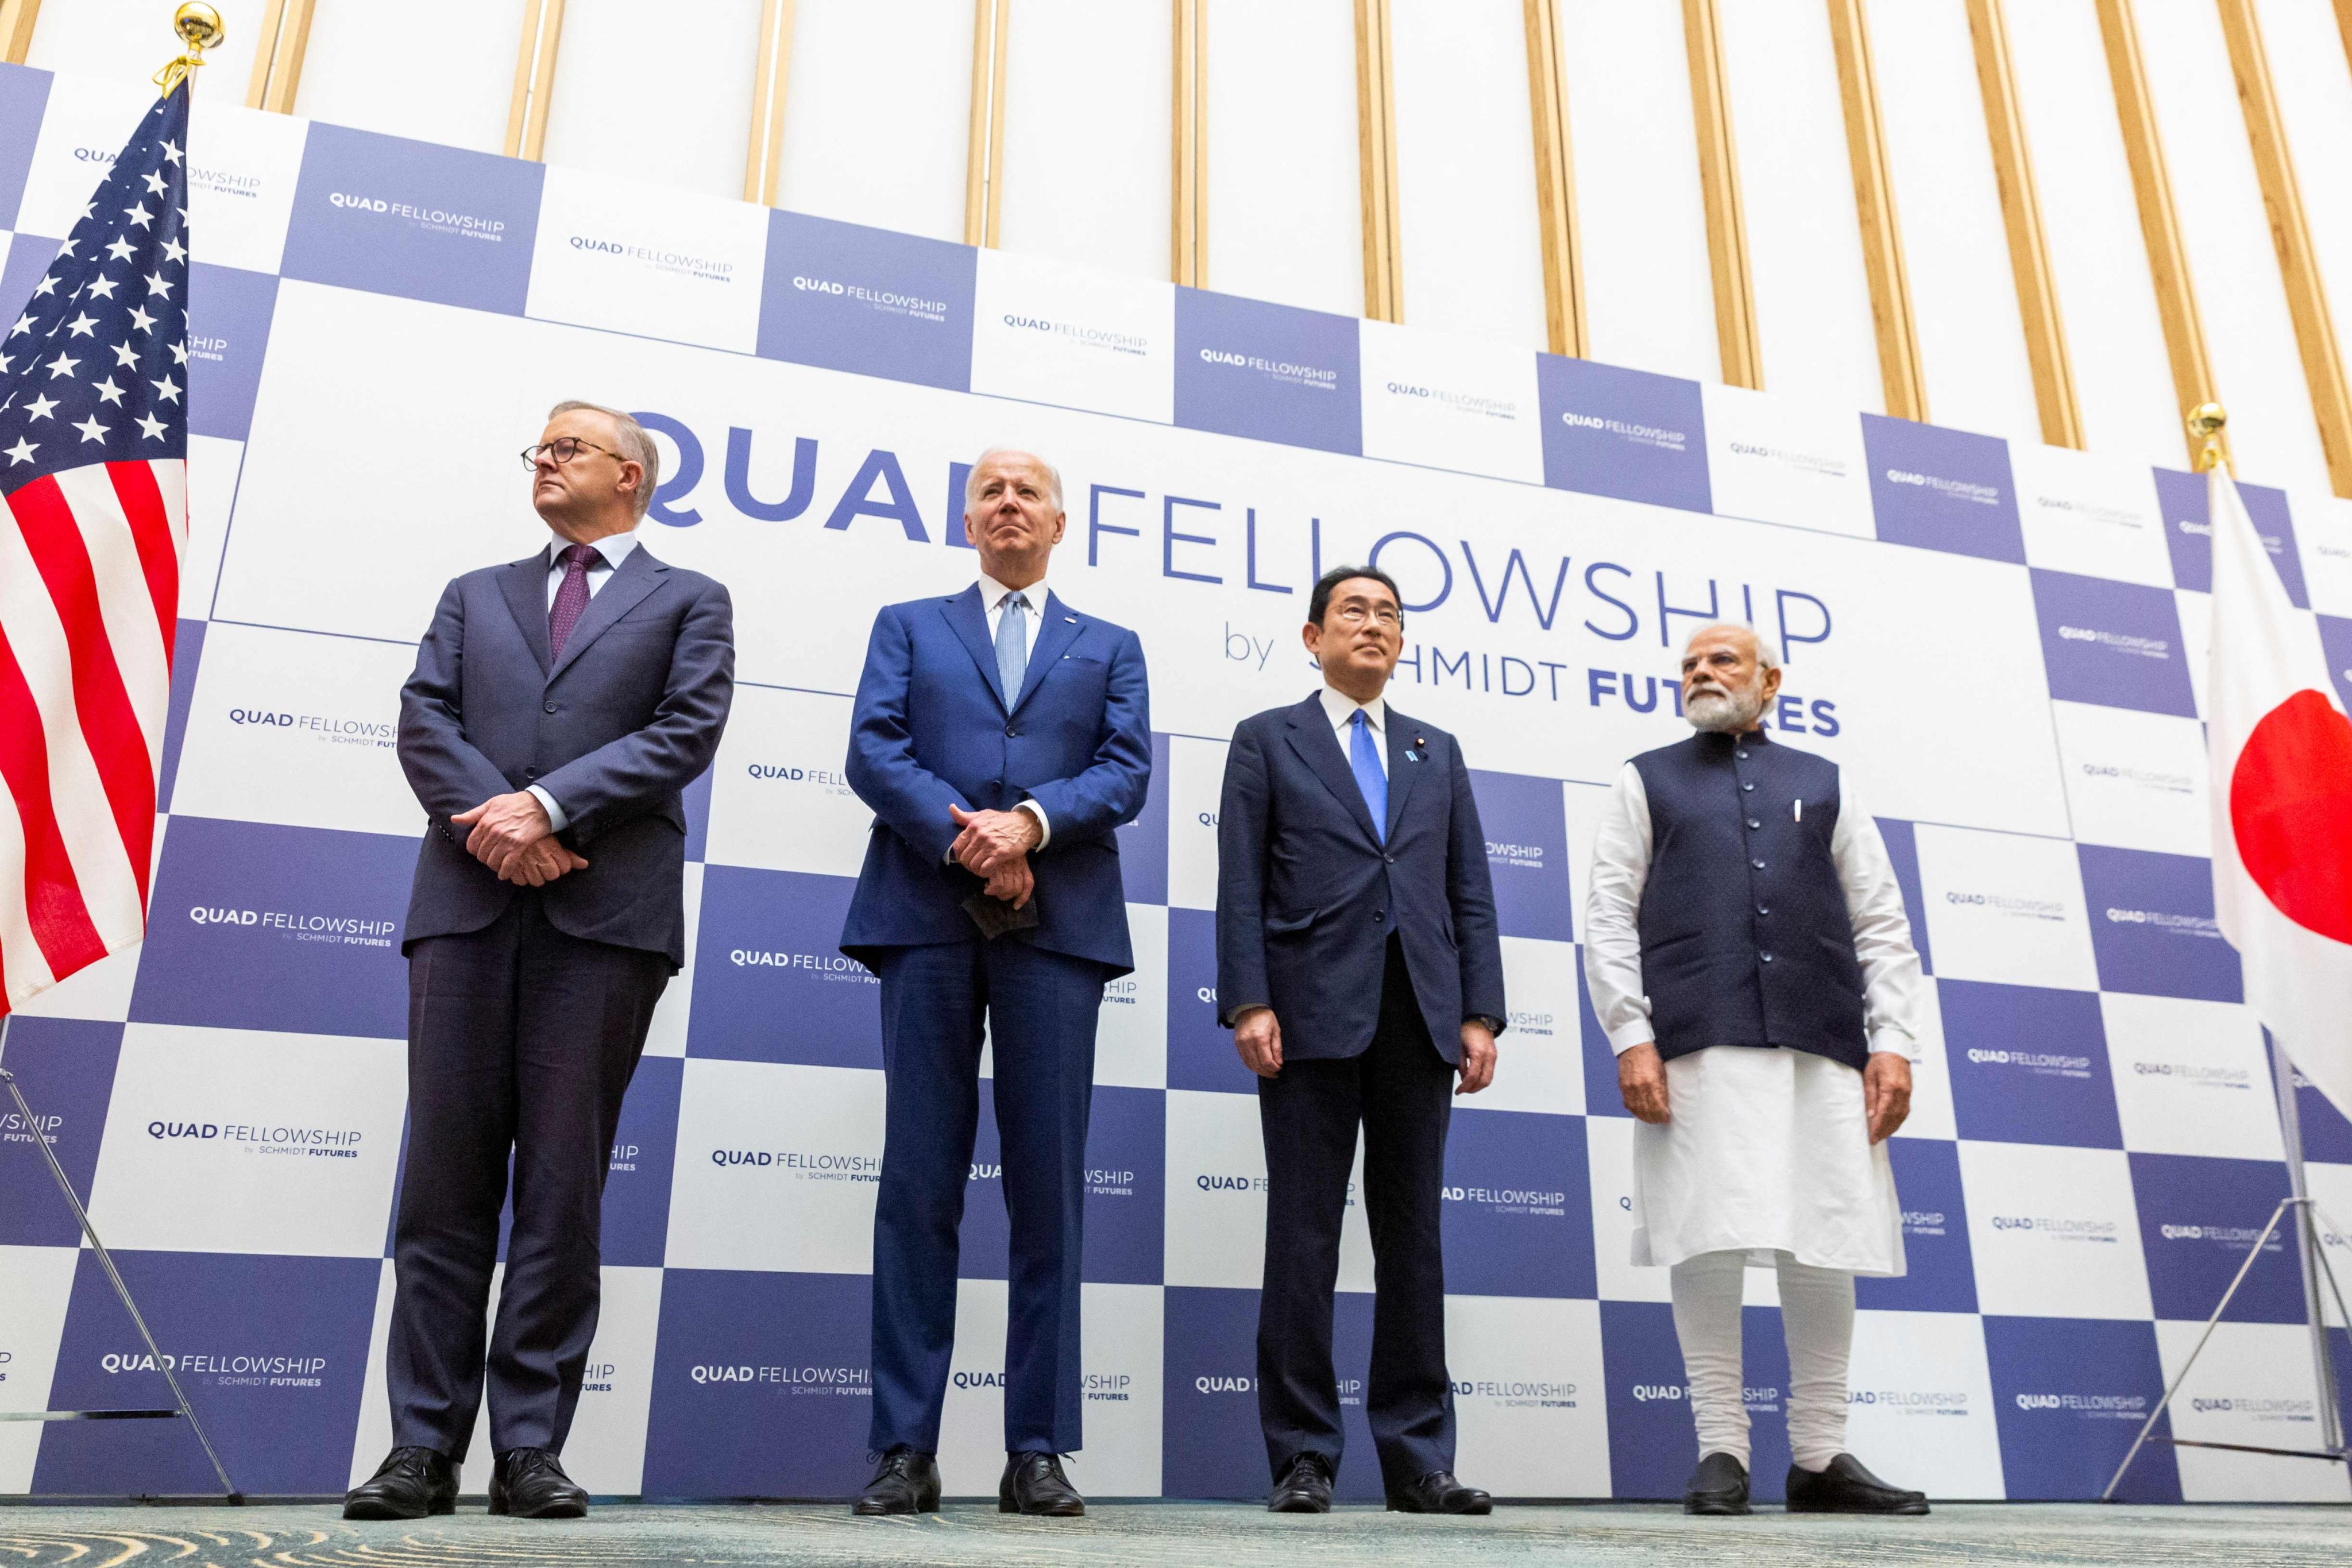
1011	733
1389	858
1763	909
1757	863
1741	755
1765	956
1748	786
550	707
530	772
1753	823
1379	915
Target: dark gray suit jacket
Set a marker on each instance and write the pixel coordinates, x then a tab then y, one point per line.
615	731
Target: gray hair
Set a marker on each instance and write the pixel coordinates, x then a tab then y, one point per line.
636	447
1767	656
971	479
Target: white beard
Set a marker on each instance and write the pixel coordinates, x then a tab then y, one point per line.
1723	712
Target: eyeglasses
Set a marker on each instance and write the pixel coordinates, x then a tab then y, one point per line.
1357	615
562	449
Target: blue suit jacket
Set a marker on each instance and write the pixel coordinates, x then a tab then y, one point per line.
933	728
614	730
1306	895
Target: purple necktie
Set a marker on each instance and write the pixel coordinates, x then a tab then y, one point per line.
570	596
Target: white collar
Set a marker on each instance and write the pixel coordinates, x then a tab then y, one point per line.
1342	708
992	594
614	547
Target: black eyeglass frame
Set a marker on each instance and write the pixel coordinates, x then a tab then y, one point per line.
530	453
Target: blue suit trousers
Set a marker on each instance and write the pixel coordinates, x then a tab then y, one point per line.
1041	1009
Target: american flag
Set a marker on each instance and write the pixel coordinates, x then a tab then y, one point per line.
93	474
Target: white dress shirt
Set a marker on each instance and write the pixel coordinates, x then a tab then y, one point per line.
1764	1150
1342	708
610	550
993	597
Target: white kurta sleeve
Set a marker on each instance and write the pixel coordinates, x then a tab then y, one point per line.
1892	984
1612	942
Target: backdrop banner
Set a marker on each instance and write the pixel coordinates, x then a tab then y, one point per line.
2002	647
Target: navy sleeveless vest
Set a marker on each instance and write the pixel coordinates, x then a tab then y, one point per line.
1745	936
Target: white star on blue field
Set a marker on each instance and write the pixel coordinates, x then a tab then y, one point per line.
96	369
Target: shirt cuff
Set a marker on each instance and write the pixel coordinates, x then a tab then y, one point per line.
1893	1037
556	821
1044	827
1625	1037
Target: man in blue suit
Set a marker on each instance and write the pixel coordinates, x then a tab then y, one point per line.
1001	739
1359	968
560	706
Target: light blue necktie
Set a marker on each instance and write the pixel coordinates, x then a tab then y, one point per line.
1012	646
1364	757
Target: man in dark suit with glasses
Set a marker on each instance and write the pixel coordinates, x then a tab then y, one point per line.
560	707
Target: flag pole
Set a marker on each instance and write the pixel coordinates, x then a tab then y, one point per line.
106	1261
2206	424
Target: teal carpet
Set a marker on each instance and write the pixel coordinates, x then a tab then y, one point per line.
288	1536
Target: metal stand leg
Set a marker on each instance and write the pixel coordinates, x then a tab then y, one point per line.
2316	1266
106	1261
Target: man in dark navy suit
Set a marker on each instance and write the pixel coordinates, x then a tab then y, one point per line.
1359	967
560	706
1001	739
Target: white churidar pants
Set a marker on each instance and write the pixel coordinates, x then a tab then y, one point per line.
1816	1317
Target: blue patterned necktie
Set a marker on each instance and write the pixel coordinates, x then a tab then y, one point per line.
1012	646
1364	758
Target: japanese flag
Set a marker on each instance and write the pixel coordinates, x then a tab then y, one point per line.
2282	758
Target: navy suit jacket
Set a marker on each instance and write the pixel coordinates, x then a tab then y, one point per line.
932	728
1306	895
614	730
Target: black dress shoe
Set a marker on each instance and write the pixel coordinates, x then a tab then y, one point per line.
907	1482
529	1484
1719	1486
1305	1488
1438	1492
1034	1483
1846	1487
410	1484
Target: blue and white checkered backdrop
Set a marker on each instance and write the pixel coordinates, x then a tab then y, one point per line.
2002	645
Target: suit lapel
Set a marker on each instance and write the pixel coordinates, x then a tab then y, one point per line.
634	578
971	624
524	584
1056	632
1312	738
1404	772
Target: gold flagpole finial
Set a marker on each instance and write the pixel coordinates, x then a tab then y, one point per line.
2206	423
199	26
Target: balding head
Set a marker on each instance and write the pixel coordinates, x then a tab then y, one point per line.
1730	675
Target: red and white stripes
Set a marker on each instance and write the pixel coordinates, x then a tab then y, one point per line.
89	585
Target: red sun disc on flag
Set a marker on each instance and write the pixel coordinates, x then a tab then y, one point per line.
2291	808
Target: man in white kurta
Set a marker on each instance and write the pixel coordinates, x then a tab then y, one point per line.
1750	960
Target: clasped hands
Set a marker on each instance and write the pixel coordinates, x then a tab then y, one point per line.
511	833
995	845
